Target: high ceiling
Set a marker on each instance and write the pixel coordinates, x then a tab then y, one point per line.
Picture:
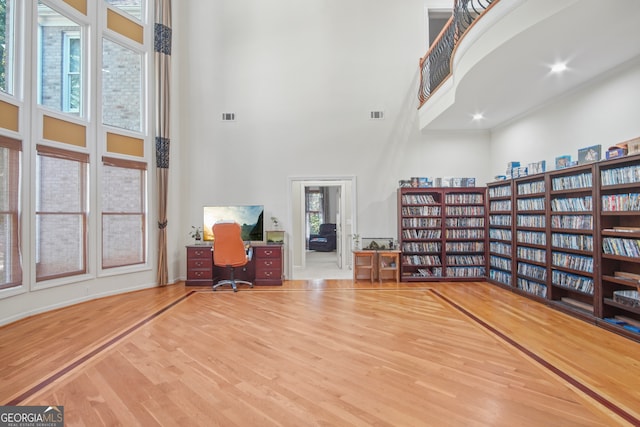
502	66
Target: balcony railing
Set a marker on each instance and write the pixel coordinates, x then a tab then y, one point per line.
435	65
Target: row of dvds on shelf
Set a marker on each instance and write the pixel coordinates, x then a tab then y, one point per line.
465	259
464	222
535	204
465	233
622	175
421	260
500	220
621	246
500	205
421	211
572	281
572	182
471	272
500	276
575	222
581	242
418	199
421	222
464	210
532	271
421	234
499	234
464	246
499	262
464	198
621	202
531	237
533	288
533	187
421	247
572	204
532	254
500	191
533	221
500	248
572	261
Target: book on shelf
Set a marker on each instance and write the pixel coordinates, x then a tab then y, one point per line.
563	161
627	229
589	154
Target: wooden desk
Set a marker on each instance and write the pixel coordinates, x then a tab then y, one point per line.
380	265
265	268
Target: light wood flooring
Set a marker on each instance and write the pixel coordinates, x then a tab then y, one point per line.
321	353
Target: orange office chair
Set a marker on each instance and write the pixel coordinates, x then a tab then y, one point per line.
229	252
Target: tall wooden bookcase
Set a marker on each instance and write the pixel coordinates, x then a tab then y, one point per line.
571	240
442	233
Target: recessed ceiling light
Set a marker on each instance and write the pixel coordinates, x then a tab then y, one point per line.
477	116
558	67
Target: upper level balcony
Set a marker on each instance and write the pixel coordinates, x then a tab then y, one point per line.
496	57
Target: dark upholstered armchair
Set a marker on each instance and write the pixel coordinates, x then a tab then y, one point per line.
325	240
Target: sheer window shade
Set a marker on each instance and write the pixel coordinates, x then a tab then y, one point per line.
123	212
61	213
10	259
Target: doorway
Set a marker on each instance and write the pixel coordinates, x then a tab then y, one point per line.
338	208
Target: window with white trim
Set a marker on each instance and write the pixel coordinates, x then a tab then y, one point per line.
124	215
61	213
10	260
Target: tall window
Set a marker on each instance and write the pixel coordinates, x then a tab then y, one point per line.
315	212
7	12
60	85
61	213
122	94
10	262
123	212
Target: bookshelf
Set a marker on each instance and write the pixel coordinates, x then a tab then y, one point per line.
442	233
571	224
619	236
531	250
500	226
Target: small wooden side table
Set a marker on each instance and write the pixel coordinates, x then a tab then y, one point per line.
389	265
364	265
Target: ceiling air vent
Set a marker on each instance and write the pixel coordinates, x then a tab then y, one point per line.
377	115
228	117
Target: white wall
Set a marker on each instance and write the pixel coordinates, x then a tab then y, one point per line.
302	78
606	111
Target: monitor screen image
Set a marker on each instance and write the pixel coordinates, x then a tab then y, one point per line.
250	218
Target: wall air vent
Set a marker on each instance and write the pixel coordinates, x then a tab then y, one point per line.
228	117
377	115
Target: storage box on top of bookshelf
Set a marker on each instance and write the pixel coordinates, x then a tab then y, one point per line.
571	221
619	208
531	235
442	233
500	213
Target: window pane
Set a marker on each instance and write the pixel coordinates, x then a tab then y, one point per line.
59	61
7	30
132	7
121	87
61	217
10	262
123	216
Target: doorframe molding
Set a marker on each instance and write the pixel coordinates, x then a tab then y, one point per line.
295	202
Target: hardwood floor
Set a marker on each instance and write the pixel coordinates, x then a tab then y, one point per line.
325	353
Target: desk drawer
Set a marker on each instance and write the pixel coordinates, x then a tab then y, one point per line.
262	252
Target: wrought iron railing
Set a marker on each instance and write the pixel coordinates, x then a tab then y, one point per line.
435	65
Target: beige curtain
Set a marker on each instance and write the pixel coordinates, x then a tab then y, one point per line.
162	48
